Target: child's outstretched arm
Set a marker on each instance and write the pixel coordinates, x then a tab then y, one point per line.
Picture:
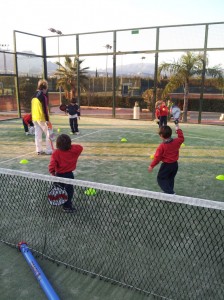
150	169
179	133
177	126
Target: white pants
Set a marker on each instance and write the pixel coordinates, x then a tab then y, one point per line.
40	128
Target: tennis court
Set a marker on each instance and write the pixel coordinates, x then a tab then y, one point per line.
106	159
108	239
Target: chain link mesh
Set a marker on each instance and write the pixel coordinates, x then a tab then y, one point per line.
134	238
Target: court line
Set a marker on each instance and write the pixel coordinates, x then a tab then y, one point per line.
77	137
4	161
174	135
80	136
202	138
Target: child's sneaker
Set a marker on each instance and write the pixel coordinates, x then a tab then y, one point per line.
70	210
40	153
77	132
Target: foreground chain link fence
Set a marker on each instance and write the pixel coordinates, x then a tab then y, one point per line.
164	245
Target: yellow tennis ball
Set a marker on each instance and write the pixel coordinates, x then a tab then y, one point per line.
90	192
152	156
220	177
123	140
59	129
24	161
183	145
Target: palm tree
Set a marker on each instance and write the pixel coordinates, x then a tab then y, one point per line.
189	66
68	77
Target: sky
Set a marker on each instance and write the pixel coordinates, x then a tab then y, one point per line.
73	16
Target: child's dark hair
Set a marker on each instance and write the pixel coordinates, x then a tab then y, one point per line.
165	132
63	142
74	100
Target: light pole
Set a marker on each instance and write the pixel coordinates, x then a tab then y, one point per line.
142	58
5	67
107	46
78	78
121	68
59	33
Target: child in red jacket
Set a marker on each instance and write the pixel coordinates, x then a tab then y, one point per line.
28	124
157	114
168	153
62	164
163	112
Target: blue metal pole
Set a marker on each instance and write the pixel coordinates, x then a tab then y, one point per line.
43	281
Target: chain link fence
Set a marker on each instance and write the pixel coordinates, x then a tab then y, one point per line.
165	245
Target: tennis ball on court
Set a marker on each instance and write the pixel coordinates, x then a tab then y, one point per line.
90	192
24	161
123	140
183	145
152	156
59	129
220	177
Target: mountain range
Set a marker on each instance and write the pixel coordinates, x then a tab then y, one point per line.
32	65
145	70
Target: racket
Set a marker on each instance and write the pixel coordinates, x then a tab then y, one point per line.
31	130
175	111
51	134
57	195
63	107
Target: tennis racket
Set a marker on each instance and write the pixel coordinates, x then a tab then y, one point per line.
175	111
57	195
63	107
51	134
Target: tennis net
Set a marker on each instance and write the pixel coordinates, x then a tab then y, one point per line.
165	245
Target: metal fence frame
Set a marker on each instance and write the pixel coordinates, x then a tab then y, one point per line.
115	53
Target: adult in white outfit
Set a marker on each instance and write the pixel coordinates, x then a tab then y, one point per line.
40	117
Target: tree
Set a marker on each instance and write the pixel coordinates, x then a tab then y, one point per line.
68	77
189	66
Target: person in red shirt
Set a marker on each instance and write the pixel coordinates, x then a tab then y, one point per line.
168	153
163	112
157	113
62	164
28	124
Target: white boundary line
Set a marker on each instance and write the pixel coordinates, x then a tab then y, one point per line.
5	161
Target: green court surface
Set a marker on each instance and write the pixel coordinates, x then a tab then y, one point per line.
106	159
18	282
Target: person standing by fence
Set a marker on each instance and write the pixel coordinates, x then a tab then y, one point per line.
62	164
168	153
